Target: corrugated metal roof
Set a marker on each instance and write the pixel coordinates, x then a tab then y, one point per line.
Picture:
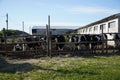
38	27
54	27
102	20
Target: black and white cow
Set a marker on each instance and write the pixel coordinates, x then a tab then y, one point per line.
113	40
98	40
117	40
18	47
84	41
33	42
80	41
2	39
59	39
95	41
75	40
87	41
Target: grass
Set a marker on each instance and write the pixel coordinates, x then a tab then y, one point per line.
74	68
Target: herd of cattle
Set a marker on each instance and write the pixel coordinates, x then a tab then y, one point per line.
85	41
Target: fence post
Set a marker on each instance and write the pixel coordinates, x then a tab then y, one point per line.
102	41
4	36
106	45
50	42
49	35
47	38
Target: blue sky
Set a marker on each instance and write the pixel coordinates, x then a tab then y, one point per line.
62	12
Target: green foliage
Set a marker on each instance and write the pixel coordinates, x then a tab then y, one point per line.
96	68
1	33
9	32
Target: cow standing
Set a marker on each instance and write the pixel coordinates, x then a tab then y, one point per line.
18	47
80	41
33	42
59	39
75	40
117	40
2	39
97	42
85	41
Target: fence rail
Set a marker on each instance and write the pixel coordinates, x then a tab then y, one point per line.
6	47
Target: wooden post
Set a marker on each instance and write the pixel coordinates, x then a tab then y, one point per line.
23	27
106	45
49	35
4	36
47	38
102	40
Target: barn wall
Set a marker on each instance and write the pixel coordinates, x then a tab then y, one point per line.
106	29
115	28
53	31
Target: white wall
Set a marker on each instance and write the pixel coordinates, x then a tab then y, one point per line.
114	29
106	29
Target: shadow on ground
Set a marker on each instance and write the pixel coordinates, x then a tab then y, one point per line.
6	67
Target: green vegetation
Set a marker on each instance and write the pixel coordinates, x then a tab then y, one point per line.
9	32
75	68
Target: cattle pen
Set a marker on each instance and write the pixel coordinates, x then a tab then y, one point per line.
39	46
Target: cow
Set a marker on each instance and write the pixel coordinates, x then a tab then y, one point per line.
97	40
80	41
33	43
18	47
2	39
58	39
113	40
75	40
85	41
117	40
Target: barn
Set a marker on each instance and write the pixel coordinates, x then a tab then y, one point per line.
41	30
109	24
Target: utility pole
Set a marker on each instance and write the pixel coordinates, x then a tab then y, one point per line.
49	22
29	29
23	36
6	33
23	27
49	35
7	24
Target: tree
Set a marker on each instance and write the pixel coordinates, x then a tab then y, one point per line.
8	32
1	33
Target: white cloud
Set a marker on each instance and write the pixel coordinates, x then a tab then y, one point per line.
93	10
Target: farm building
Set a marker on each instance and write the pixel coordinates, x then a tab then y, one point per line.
109	24
41	30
